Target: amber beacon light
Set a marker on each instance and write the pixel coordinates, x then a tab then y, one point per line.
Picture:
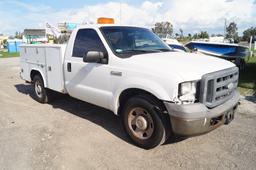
103	20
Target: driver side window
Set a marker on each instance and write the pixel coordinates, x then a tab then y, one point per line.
87	40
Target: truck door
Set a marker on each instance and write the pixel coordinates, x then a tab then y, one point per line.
89	82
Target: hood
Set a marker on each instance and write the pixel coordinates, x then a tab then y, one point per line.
188	66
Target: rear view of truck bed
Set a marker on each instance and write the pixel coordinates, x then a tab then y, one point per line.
47	60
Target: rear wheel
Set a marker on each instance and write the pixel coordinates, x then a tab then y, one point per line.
142	122
41	94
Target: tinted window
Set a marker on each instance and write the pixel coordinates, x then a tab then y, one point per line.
87	40
133	40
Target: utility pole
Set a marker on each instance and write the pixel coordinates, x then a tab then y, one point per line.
225	29
250	47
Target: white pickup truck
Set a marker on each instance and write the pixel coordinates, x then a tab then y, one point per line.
129	70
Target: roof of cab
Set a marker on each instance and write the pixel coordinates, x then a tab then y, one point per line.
97	26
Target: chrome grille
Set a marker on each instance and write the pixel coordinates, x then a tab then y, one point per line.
218	87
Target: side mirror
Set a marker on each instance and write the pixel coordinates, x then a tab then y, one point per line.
93	57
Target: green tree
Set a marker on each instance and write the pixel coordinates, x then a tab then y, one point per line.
195	36
189	36
163	28
231	32
201	35
248	33
18	35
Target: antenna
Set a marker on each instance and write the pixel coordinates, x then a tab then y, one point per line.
120	12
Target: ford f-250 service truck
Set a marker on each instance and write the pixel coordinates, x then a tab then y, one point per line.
129	70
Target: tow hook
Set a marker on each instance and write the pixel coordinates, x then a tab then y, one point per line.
229	116
215	120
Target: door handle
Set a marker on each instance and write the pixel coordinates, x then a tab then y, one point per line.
69	67
116	73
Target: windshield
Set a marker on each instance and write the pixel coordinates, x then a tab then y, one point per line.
132	40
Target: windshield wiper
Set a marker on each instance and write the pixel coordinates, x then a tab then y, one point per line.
140	51
164	49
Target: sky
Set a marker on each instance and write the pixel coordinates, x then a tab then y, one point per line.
191	16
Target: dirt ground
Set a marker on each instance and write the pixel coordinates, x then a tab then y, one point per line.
70	134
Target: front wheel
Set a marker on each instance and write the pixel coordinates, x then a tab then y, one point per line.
143	123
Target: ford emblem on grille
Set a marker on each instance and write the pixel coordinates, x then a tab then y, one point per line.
230	86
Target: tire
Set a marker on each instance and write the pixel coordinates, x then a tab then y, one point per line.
242	65
145	126
41	94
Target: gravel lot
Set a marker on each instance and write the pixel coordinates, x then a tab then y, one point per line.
70	134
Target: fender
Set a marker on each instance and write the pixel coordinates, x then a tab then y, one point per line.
152	87
42	75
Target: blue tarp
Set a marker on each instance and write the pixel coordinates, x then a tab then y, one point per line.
13	46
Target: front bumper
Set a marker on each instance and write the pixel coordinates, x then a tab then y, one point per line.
196	119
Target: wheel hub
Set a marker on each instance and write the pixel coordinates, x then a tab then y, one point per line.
38	89
141	123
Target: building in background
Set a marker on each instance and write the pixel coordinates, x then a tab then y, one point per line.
35	36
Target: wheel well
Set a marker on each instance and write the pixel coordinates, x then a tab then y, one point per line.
128	93
33	73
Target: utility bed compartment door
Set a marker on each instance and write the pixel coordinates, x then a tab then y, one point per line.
32	58
54	68
25	74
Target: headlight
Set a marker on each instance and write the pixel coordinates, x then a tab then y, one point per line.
187	92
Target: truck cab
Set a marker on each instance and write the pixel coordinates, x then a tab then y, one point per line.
130	71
